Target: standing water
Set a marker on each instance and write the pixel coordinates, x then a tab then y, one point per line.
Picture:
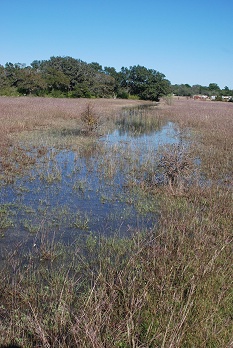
66	194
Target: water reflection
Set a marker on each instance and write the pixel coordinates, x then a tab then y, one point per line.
167	134
139	122
69	194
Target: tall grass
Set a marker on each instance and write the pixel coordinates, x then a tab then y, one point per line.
47	122
167	287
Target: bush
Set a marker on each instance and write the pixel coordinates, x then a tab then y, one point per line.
10	92
80	92
123	95
58	94
90	119
133	97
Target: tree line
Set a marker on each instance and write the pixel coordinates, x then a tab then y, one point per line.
212	90
74	78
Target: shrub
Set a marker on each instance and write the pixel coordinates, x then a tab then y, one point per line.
10	92
90	119
175	168
123	95
133	97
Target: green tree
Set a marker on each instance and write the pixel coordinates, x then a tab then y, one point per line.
13	73
30	81
56	79
96	66
74	70
4	81
74	78
214	87
226	91
36	65
111	71
103	85
147	84
182	90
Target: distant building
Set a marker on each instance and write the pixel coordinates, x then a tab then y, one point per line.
200	97
226	98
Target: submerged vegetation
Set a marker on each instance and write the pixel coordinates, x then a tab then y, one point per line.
116	223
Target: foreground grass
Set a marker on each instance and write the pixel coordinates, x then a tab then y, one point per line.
169	287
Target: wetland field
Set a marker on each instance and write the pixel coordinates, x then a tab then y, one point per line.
116	223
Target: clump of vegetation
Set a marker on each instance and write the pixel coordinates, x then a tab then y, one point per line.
90	120
175	166
139	120
66	77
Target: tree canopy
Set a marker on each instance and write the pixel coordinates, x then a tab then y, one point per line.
212	89
69	77
74	78
148	84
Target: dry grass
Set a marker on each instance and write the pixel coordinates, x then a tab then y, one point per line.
38	119
212	125
18	114
170	287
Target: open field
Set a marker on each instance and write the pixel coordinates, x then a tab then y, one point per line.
27	114
48	118
164	277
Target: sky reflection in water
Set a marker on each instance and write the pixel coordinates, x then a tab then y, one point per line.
69	195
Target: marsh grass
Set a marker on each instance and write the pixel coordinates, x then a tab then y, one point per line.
138	120
170	286
212	125
5	218
45	122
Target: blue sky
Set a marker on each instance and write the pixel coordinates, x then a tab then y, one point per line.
188	41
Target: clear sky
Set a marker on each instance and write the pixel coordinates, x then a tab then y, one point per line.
188	41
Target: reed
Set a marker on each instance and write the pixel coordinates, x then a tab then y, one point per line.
167	286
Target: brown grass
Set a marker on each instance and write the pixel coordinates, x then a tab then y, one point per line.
170	287
20	116
212	125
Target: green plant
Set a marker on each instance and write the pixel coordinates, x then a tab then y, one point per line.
5	218
168	99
